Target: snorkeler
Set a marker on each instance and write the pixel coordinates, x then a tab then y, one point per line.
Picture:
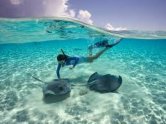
65	60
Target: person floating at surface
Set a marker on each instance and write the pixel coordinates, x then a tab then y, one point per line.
65	60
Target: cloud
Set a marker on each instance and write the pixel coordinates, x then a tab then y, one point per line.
85	16
40	8
16	2
61	8
72	13
55	7
108	26
46	8
35	8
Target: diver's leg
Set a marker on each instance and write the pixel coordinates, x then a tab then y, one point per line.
98	44
90	50
91	58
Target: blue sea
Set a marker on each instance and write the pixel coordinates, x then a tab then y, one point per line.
30	46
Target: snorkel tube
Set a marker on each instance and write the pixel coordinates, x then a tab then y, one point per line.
63	52
66	56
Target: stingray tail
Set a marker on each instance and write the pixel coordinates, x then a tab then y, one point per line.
37	79
78	85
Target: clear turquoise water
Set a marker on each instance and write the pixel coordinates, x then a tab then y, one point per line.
30	47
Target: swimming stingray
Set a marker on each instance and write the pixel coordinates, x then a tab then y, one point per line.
55	90
104	83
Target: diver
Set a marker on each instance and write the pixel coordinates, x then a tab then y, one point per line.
65	60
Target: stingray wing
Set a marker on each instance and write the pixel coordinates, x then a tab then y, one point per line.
93	77
105	83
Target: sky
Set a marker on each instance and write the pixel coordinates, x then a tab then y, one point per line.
110	14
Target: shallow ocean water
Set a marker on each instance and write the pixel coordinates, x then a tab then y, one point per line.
30	47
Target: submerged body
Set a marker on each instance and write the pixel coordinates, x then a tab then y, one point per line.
65	60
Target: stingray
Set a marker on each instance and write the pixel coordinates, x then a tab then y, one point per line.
104	83
55	90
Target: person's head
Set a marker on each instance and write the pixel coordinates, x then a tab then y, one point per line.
61	58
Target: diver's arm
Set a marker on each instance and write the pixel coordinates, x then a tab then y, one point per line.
58	70
74	65
75	62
